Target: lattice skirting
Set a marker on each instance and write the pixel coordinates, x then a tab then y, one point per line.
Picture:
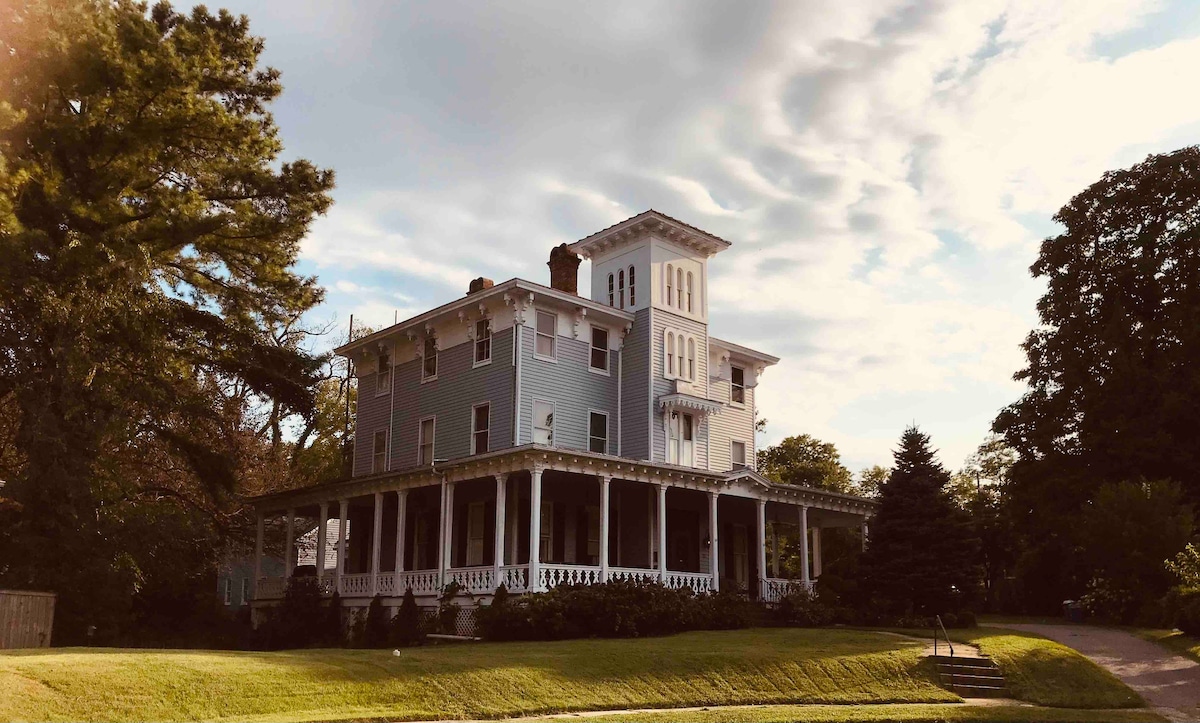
464	623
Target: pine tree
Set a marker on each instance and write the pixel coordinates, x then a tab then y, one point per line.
922	553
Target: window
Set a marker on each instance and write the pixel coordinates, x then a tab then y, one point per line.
425	441
245	590
481	416
383	380
593	535
598	432
483	341
379	452
621	287
475	532
737	454
737	385
228	591
429	365
670	284
599	358
689	292
546	533
679	287
632	298
543	422
691	371
610	289
680	435
547	333
679	353
670	349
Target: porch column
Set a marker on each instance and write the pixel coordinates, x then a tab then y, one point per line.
762	545
289	549
398	588
448	535
343	528
535	529
376	535
714	554
805	577
662	533
441	554
864	534
604	496
322	542
816	548
258	549
498	545
774	549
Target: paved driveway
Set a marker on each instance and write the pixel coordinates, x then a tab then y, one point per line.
1167	681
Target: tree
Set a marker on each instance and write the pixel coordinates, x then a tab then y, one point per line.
805	461
1114	390
149	232
921	556
871	480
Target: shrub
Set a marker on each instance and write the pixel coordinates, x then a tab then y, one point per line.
802	609
406	625
375	629
447	617
296	622
966	619
1183	608
335	634
1109	601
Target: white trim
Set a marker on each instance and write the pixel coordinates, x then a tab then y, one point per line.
538	333
475	364
421	440
607	370
607	429
476	431
733	466
553	420
384	453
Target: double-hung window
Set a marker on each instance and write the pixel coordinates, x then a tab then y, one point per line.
598	432
425	441
599	356
545	345
543	422
689	292
379	451
610	290
228	591
429	365
621	288
483	341
670	285
691	359
679	288
383	378
245	590
475	531
737	453
632	296
481	422
737	385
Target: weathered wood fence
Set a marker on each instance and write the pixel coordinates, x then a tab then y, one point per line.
26	618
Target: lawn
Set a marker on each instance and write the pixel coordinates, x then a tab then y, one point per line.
1176	640
466	681
906	712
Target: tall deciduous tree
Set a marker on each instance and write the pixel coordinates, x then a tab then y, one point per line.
806	461
148	232
922	554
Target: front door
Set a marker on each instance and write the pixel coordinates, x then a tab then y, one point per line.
741	556
680	439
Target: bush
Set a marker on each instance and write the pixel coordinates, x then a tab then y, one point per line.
1183	608
802	609
1109	601
335	634
406	625
296	621
375	629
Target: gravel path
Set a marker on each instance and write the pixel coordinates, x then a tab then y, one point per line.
1168	682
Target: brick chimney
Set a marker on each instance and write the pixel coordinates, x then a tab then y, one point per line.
564	269
479	284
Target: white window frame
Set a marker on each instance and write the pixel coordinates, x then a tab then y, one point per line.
679	284
245	590
689	292
669	350
632	298
611	297
379	457
733	386
553	421
228	591
425	376
670	285
593	348
422	442
733	463
476	361
607	430
537	334
621	288
476	432
691	358
383	386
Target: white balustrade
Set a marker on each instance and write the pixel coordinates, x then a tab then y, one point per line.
270	587
475	580
358	584
515	577
632	574
386	582
422	582
550	575
699	582
775	589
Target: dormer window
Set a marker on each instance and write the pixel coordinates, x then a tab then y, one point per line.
429	364
483	341
670	284
610	289
383	378
621	288
632	298
737	385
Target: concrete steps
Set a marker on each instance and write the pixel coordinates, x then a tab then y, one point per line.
972	677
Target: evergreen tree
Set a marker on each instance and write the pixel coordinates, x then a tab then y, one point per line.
922	553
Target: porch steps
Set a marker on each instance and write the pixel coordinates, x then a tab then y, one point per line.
973	677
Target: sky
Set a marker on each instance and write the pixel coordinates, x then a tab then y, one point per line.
885	170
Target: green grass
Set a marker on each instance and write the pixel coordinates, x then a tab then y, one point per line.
466	681
1175	640
906	712
1044	672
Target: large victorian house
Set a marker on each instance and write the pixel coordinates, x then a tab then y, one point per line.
526	436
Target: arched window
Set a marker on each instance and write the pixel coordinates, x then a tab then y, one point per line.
670	284
632	298
679	351
679	285
610	289
621	287
689	292
670	349
691	367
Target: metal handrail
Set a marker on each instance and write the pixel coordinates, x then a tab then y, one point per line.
949	644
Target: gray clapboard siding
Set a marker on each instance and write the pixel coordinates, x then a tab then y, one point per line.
572	387
664	320
371	415
635	392
732	424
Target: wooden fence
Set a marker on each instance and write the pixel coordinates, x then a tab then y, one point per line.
26	618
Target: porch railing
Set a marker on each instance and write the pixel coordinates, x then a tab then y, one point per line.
699	582
775	589
515	577
553	575
479	580
358	584
270	588
385	583
422	582
632	574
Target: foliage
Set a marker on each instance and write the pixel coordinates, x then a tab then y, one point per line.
1186	566
297	621
1183	609
803	610
922	552
375	633
332	628
448	608
1113	388
616	609
805	461
870	480
405	627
